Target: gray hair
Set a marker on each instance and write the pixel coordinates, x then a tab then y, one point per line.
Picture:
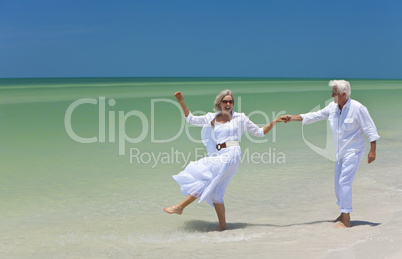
342	86
219	98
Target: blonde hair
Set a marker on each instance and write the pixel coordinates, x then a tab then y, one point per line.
219	98
342	86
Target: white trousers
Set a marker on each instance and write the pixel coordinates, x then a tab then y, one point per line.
345	170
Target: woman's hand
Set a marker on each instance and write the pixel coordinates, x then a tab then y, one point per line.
282	118
179	96
180	99
267	128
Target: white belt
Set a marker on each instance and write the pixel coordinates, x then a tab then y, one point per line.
231	143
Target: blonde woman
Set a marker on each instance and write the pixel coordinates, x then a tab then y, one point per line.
207	178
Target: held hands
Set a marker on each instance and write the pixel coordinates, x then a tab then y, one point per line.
285	118
282	118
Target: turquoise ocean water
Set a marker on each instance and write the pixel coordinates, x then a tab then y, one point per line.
86	168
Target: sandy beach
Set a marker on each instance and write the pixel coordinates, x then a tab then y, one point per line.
66	199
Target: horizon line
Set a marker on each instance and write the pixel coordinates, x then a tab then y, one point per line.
204	77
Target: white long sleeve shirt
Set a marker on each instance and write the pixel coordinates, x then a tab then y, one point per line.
237	126
348	127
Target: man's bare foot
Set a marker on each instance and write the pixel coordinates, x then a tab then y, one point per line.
173	210
342	225
338	218
345	221
220	229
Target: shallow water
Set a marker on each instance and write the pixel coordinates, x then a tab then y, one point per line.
63	198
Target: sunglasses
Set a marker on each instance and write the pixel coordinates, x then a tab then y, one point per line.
226	101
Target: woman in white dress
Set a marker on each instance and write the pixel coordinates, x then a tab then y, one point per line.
207	178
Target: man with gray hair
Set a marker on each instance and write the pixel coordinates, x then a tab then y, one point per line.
349	121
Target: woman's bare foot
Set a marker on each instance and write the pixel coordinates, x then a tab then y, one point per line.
173	210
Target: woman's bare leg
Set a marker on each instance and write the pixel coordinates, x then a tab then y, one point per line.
220	211
178	209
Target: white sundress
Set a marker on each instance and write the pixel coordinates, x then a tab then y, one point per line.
208	178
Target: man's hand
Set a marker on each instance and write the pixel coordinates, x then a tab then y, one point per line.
290	118
371	156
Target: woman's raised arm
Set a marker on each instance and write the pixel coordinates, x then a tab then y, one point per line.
180	99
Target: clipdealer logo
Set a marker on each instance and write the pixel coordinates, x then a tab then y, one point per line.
328	151
109	120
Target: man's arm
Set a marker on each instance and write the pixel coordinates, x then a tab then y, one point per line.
293	118
371	155
369	128
312	117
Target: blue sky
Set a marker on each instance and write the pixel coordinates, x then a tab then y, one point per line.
331	39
